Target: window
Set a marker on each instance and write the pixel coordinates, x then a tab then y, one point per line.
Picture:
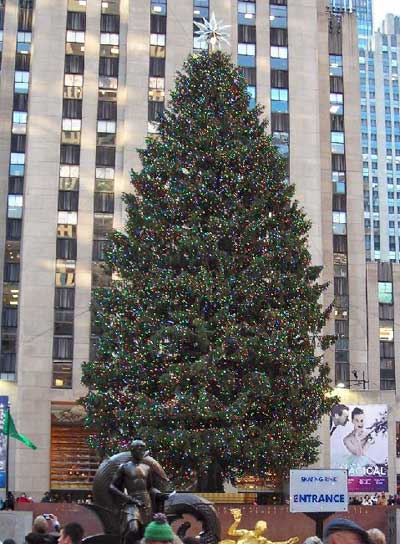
21	82
279	56
68	218
246	49
24	42
339	182
108	82
62	375
68	171
157	39
279	100
15	204
278	16
64	298
71	124
251	91
66	248
336	101
106	127
63	347
73	80
109	39
159	7
385	292
386	331
65	273
247	10
337	142
339	222
105	173
156	83
279	52
336	65
75	37
17	164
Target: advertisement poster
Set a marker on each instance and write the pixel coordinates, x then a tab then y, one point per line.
3	447
359	443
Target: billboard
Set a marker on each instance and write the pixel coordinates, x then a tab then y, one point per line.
3	447
359	443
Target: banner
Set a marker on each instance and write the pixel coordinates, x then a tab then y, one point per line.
3	448
359	443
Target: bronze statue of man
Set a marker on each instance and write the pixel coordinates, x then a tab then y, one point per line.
135	476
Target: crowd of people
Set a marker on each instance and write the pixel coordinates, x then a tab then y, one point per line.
46	530
158	531
377	499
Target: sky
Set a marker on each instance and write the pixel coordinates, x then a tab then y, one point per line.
382	7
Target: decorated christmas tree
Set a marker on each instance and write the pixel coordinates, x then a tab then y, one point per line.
211	345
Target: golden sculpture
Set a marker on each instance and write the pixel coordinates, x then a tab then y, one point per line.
251	537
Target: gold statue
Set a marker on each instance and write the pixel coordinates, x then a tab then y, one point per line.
251	537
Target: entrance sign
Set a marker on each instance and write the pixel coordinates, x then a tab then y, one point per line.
318	491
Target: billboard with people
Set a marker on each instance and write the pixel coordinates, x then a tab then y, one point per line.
359	443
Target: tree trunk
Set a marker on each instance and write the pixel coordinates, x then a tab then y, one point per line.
211	481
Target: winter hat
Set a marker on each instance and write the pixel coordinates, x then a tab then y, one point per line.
342	524
159	529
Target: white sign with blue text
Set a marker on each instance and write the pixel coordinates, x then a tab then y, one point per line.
318	490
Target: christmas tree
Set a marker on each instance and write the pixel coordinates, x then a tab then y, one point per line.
211	330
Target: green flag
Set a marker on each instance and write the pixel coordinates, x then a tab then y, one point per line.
10	430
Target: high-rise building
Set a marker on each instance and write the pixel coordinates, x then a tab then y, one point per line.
380	112
363	10
81	85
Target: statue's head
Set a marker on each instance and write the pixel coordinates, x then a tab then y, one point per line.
138	449
260	528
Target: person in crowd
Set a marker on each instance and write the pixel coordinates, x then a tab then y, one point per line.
158	531
46	497
313	540
41	532
9	541
345	531
9	503
22	498
376	536
72	533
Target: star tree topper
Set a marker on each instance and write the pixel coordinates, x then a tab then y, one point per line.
212	31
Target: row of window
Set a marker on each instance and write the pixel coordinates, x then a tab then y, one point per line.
278	13
156	85
339	204
15	197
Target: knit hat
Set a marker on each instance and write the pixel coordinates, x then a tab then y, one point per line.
342	524
159	529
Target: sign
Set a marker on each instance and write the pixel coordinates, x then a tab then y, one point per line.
359	443
318	491
3	448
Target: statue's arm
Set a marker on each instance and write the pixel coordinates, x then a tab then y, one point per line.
117	485
233	529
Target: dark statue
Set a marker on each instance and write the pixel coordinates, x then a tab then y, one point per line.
130	487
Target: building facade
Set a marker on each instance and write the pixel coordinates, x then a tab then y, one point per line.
81	85
380	112
363	10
